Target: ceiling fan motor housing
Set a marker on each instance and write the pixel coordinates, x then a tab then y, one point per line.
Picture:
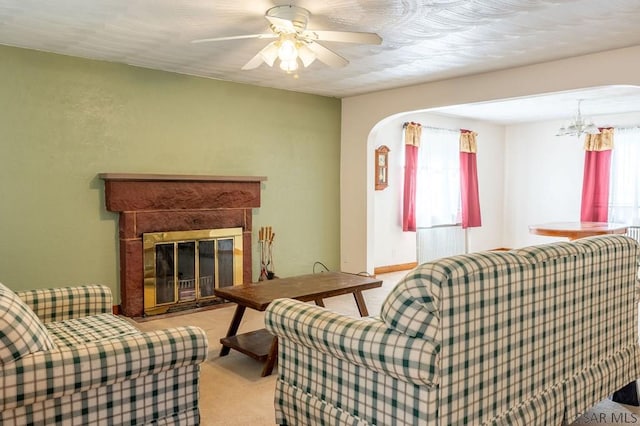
297	15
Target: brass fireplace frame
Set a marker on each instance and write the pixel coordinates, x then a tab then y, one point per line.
150	240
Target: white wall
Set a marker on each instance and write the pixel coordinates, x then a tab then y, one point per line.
360	114
392	246
543	180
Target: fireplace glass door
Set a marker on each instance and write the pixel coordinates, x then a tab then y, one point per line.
187	266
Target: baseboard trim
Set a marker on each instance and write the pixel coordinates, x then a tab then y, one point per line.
394	268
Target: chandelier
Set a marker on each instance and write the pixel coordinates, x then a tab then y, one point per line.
579	126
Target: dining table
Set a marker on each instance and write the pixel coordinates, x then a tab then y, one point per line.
575	230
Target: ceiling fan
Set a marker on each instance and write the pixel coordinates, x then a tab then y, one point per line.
288	25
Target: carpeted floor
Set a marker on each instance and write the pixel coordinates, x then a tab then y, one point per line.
233	393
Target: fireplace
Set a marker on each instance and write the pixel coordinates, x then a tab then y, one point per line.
182	268
152	207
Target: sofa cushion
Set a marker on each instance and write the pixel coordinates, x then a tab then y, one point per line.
412	306
73	332
21	331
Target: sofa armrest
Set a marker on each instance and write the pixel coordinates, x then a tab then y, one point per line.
63	371
58	304
362	341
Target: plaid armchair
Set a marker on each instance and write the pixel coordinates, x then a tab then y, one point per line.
534	336
66	360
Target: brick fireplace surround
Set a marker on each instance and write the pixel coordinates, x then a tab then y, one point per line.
162	203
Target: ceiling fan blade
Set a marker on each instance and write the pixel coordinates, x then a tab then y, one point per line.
306	55
343	36
253	63
239	37
282	24
267	54
327	56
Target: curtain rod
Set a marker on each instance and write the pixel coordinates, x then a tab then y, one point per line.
442	129
406	123
627	128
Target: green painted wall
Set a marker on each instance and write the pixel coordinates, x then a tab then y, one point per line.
64	120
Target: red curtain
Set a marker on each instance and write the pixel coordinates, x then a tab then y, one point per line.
595	183
410	171
595	186
469	180
412	133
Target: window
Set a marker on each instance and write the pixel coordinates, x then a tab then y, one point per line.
438	178
624	191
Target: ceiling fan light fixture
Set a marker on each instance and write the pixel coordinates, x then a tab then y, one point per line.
289	66
287	51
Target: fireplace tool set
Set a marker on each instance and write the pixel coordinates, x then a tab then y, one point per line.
265	239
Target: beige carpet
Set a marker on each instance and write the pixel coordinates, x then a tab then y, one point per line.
233	393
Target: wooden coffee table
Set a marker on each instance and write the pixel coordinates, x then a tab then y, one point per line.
260	344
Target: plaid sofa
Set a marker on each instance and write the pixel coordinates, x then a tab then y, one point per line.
66	360
534	336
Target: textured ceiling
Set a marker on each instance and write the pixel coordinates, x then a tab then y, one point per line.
422	40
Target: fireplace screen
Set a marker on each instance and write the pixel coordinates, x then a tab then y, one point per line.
186	266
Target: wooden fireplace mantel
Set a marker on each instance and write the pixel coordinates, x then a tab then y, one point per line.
163	177
164	203
156	192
